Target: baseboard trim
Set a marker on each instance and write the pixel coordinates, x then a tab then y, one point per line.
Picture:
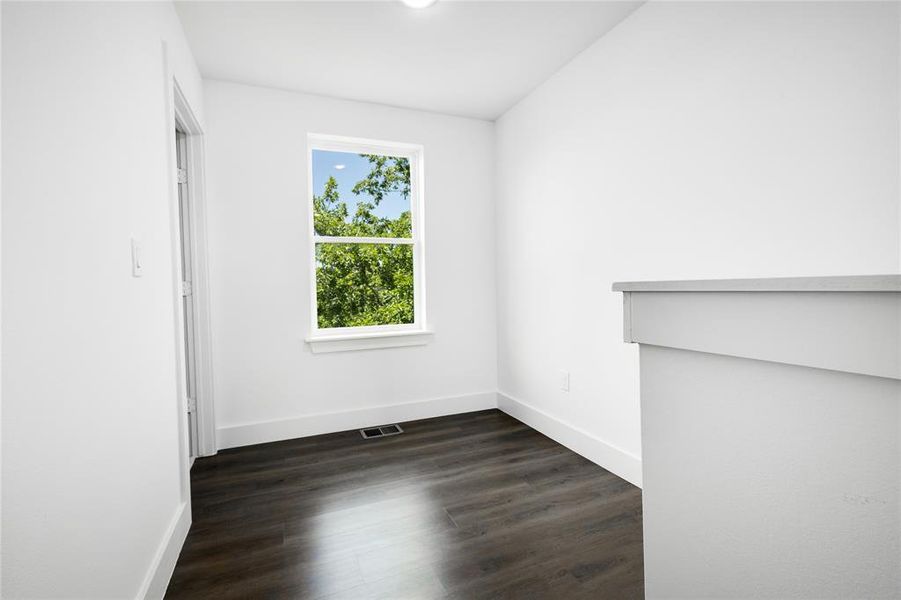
615	460
608	456
157	579
317	424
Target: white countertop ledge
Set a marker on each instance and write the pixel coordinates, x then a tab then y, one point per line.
798	321
845	283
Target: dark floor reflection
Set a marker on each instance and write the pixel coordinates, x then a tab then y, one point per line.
468	506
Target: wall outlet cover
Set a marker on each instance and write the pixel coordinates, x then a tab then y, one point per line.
563	378
137	258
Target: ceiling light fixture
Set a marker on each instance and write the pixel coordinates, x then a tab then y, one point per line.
419	3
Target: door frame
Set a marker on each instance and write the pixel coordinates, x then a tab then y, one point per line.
184	118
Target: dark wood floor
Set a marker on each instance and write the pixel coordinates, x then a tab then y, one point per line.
467	506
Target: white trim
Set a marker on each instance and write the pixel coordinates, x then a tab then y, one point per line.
846	332
157	579
365	331
316	424
206	422
616	460
331	239
416	155
627	317
606	455
833	283
368	340
339	143
311	231
184	450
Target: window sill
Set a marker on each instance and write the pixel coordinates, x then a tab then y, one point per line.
368	341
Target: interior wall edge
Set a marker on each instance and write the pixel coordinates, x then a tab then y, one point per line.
604	454
163	565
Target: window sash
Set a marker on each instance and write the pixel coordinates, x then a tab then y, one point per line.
414	154
333	239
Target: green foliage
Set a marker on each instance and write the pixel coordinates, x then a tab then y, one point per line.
364	284
388	174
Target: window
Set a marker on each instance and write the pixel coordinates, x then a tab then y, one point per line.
366	251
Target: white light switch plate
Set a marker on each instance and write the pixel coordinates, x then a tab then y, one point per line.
137	258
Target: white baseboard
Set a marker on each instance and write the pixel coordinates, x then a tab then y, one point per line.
610	457
615	460
307	425
157	579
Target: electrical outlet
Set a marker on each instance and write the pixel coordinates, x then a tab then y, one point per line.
137	258
563	378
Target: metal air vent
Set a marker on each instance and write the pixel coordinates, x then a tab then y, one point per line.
383	431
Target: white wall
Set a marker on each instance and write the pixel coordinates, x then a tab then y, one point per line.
268	384
770	448
91	466
803	504
694	140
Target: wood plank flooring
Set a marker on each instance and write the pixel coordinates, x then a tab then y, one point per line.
475	506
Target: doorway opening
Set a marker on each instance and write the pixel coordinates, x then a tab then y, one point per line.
187	292
190	275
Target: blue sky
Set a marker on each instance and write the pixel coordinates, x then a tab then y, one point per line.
348	169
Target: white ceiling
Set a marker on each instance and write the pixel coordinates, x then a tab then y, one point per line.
475	59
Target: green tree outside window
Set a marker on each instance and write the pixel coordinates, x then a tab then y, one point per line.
364	284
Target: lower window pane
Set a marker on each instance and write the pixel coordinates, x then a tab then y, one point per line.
364	284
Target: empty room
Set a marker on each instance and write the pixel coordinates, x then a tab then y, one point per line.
450	299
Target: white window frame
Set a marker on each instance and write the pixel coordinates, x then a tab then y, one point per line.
373	336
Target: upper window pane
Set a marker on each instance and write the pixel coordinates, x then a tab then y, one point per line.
361	195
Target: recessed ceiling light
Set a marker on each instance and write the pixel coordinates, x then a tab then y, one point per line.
418	3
